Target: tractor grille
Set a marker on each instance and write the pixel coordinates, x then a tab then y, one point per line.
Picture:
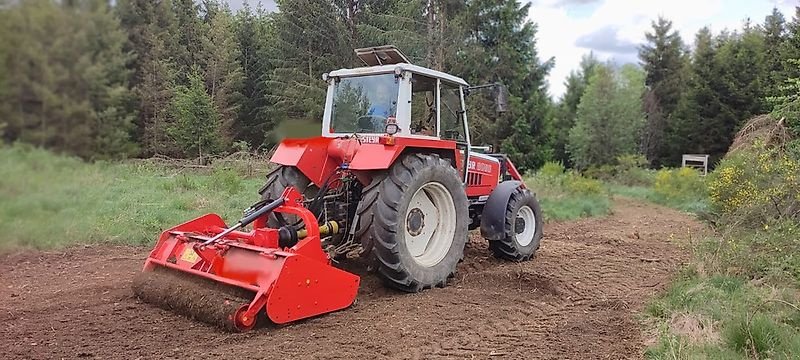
474	179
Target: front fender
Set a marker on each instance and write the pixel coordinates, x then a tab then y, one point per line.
493	218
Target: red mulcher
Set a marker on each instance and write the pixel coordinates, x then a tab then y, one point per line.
288	273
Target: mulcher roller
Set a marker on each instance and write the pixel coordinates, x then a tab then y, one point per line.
191	296
226	277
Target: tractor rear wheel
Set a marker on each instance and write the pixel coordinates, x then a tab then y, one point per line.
523	223
278	180
414	221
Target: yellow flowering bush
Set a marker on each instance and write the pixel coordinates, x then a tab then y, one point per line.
756	187
679	185
551	171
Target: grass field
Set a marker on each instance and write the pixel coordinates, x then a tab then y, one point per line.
566	195
49	201
717	316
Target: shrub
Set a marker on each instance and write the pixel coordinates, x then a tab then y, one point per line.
568	195
679	184
578	184
772	252
551	172
629	170
602	172
756	193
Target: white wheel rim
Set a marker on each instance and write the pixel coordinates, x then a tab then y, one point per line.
525	237
430	224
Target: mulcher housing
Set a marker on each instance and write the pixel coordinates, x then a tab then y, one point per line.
290	283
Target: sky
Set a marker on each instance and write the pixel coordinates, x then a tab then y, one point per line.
268	5
613	29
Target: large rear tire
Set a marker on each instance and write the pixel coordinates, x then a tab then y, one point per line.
413	221
278	180
523	225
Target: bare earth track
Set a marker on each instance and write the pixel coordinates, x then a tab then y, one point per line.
577	299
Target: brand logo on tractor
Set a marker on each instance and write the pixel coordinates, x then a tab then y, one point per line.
370	139
479	166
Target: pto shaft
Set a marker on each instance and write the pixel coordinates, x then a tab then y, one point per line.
246	220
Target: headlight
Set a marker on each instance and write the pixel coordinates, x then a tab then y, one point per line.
391	126
392	129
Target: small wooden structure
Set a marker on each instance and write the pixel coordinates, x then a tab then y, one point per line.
698	161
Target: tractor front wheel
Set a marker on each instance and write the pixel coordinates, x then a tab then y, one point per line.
414	221
523	225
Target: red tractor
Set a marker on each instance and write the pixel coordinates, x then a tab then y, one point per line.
393	167
393	178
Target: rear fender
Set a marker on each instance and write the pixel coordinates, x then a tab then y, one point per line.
310	156
378	156
320	156
494	212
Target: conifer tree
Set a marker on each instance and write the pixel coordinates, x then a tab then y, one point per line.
150	26
698	124
501	48
309	40
662	58
774	40
197	129
67	78
188	50
223	73
253	121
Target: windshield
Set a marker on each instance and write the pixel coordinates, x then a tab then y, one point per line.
362	104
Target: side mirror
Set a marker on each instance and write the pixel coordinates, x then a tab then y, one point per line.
499	91
501	98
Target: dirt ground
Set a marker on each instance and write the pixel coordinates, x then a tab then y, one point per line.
578	299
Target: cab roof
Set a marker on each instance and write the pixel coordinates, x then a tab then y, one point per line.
391	68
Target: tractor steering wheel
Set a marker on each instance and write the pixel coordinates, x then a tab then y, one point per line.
372	123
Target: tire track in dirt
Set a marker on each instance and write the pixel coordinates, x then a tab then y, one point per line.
577	299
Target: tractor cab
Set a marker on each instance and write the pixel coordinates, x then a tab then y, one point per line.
391	96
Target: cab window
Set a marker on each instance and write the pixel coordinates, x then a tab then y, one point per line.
423	105
452	114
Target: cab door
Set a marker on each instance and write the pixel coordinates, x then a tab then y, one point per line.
453	122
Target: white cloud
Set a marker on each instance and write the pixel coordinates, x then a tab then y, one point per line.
562	23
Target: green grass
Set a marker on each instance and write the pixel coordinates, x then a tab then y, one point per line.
567	195
692	204
560	206
746	320
51	201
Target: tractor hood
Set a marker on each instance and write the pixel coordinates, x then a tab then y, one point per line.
320	156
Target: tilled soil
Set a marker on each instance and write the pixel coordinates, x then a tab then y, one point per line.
578	299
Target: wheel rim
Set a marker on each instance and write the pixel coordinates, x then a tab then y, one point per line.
430	224
525	226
